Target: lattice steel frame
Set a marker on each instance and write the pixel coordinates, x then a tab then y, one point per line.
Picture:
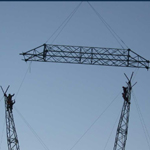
86	55
122	129
12	139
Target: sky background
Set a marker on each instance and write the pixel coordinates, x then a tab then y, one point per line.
61	101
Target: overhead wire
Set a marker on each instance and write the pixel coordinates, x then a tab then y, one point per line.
32	130
2	135
94	122
1	98
146	133
140	114
136	72
114	34
28	69
111	131
66	20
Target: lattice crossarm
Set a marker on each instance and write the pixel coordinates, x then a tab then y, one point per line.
86	55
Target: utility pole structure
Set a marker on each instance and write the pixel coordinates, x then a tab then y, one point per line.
122	130
86	55
12	139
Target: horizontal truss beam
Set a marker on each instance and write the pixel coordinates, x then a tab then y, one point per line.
86	55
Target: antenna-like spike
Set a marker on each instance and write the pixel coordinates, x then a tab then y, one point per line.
131	75
126	77
2	90
6	89
134	84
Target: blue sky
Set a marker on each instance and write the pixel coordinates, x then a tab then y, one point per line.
61	101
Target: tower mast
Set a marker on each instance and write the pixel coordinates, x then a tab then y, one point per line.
12	139
122	130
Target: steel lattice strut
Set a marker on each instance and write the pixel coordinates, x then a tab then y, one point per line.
122	130
12	139
86	55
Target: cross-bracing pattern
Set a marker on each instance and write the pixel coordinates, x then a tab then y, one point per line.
12	139
122	130
86	55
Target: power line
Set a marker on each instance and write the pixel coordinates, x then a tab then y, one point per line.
111	131
28	69
136	72
114	34
94	122
2	135
66	20
1	99
146	133
32	130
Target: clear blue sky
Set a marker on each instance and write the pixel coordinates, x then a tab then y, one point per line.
61	101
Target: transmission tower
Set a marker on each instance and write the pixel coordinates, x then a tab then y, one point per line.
122	130
12	139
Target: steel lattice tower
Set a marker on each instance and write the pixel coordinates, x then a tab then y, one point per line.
122	130
12	139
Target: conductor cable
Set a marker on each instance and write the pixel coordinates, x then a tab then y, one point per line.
94	122
66	20
33	131
147	136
